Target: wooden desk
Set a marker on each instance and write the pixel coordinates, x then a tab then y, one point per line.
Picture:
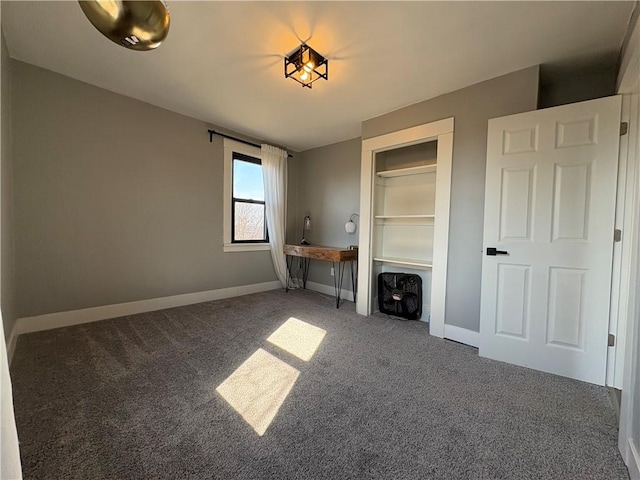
335	255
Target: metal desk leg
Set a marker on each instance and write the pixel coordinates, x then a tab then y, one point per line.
305	270
288	259
354	280
337	280
302	265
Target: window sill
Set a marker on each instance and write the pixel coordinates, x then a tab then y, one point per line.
245	247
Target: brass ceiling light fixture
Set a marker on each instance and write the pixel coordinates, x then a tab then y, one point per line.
136	25
305	65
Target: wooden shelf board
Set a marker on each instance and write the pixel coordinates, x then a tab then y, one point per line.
404	216
399	172
424	264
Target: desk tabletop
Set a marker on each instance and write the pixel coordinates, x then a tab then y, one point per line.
322	252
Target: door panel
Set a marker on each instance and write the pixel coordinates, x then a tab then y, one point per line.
520	141
571	200
550	203
565	322
512	318
516	203
576	133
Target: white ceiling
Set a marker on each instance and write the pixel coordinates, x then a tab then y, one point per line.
223	61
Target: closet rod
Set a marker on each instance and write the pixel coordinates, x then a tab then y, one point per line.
213	132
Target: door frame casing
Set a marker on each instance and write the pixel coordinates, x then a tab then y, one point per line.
625	221
629	319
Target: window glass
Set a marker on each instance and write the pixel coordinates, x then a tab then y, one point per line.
248	206
249	221
247	180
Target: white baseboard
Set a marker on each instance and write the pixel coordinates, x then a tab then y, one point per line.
462	335
86	315
329	290
633	461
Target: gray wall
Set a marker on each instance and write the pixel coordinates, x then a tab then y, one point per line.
472	107
9	448
329	192
6	228
115	200
560	86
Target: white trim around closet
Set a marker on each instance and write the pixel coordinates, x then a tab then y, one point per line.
442	131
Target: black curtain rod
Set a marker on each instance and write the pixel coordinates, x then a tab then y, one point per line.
213	132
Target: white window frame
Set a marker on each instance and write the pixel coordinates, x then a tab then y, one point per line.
231	146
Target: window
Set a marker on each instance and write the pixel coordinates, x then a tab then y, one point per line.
245	226
247	200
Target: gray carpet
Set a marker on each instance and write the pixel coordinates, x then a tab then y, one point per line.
135	397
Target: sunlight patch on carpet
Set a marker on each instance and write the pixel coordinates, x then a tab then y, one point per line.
258	387
299	338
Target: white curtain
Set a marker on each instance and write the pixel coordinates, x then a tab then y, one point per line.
274	173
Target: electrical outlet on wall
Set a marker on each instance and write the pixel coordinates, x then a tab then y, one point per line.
332	272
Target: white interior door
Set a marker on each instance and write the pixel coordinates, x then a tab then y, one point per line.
550	205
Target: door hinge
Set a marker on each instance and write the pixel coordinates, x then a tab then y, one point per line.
612	340
624	128
617	235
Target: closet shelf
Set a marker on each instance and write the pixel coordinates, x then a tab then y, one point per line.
399	172
421	264
383	217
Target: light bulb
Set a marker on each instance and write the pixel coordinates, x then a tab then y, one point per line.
304	75
308	66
